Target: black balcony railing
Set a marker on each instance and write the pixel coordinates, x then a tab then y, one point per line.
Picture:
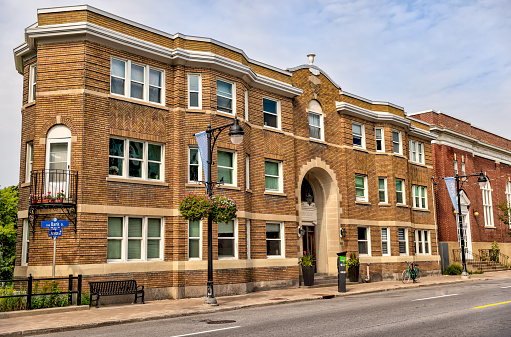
53	193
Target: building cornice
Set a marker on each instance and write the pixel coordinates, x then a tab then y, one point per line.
384	117
172	56
477	147
371	102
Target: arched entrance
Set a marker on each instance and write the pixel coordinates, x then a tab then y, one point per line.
318	206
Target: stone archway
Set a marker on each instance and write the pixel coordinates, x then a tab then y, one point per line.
323	182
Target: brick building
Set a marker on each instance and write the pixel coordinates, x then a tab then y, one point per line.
110	109
464	149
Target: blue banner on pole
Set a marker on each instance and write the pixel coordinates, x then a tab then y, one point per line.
202	142
450	182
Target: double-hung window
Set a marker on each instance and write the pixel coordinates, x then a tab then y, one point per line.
358	135
487	205
135	159
137	81
419	196
273	176
422	242
385	242
194	91
403	241
32	81
508	198
416	150
396	142
274	239
134	239
271	111
364	242
224	96
228	239
247	172
316	126
463	172
400	191
382	191
194	239
25	243
194	165
246	105
226	167
361	187
455	165
380	140
29	160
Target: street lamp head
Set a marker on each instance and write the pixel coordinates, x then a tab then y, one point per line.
482	179
236	132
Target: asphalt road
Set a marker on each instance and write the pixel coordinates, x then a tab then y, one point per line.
465	309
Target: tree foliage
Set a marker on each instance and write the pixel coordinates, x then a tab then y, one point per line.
505	213
8	225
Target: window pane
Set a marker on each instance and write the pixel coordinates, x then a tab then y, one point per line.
382	196
357	141
154	152
194	156
225	158
194	228
114	227
193	248
357	129
384	247
271	168
225	247
224	88
115	166
271	183
117	86
136	150
113	249
377	133
194	173
362	247
395	136
135	168
362	233
137	90
153	170
224	104
224	175
137	73
193	83
118	68
270	120
314	132
273	247
155	77
272	231
116	147
153	228
381	184
134	249
153	249
194	99
270	106
359	182
226	229
134	227
314	119
155	94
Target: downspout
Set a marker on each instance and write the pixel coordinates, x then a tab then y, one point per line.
368	277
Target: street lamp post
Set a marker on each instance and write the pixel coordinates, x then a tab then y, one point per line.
482	181
236	132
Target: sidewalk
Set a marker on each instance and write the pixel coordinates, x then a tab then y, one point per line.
54	320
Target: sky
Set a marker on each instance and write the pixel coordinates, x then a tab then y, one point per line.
453	56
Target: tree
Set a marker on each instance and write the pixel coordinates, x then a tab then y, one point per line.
8	225
505	213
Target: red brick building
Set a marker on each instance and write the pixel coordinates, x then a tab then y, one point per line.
114	105
464	149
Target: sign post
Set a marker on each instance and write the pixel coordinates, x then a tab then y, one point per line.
54	231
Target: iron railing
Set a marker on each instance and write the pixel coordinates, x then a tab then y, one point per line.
480	260
493	255
53	186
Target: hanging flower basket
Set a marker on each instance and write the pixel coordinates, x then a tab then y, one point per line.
197	207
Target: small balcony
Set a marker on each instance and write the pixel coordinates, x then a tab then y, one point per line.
53	193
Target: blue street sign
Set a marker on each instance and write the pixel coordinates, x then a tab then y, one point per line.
55	232
55	223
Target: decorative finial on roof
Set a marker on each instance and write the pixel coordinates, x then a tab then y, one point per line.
311	58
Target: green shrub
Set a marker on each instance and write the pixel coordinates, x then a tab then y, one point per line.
85	298
12	303
453	269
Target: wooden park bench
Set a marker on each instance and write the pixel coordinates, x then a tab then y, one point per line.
111	288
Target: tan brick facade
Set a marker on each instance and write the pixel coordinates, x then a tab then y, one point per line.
73	89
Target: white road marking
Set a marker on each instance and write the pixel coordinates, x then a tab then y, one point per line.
505	287
430	298
201	332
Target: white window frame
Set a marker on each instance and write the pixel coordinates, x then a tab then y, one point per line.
29	160
234	168
402	192
25	243
508	198
235	242
386	240
463	172
455	164
416	150
145	160
405	230
248	239
361	136
146	84
199	238
143	249
381	139
363	198
199	92
487	205
246	105
367	240
422	242
420	201
247	172
277	102
281	239
233	94
399	143
32	82
199	165
280	177
385	190
321	125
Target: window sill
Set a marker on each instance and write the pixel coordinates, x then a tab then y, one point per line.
229	187
384	204
225	114
360	149
135	181
137	101
380	152
25	184
420	209
194	185
29	104
402	205
227	258
489	227
418	164
365	203
319	141
275	257
279	194
248	190
195	110
269	128
133	261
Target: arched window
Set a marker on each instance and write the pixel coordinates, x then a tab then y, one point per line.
58	159
316	129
